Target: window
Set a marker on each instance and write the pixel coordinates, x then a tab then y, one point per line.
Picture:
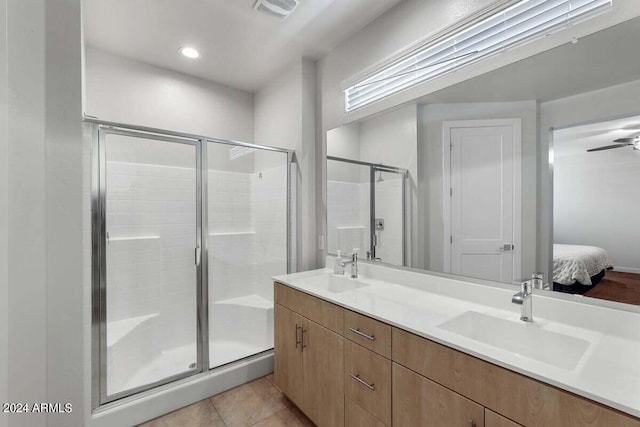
516	24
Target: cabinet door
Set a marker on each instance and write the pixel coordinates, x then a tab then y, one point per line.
288	373
418	401
355	416
491	419
323	360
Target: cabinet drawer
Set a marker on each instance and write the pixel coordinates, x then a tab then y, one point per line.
368	332
491	419
322	312
368	380
418	401
517	397
355	416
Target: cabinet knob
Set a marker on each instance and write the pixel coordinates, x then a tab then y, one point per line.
472	423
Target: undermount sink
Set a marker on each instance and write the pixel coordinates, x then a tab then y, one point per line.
333	283
525	339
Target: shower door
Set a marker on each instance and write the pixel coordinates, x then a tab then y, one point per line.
148	244
247	229
388	215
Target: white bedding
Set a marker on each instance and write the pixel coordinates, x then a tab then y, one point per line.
576	263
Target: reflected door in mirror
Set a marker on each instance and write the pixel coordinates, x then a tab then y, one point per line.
483	199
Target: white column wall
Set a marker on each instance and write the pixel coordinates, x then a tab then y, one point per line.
4	181
285	117
44	215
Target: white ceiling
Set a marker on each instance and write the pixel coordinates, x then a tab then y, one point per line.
239	47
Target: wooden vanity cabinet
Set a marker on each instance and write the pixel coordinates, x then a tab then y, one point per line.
491	419
309	357
418	401
514	396
342	368
288	367
323	364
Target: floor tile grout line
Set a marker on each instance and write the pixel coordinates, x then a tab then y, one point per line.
217	412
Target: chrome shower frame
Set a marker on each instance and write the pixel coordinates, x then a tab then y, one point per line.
97	130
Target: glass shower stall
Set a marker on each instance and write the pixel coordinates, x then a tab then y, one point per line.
367	209
186	234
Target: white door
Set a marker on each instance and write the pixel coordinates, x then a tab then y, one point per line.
484	196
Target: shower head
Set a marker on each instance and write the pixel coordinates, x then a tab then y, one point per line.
380	178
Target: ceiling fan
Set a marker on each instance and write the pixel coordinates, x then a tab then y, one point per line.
619	143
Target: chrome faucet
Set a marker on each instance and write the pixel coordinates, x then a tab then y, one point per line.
353	262
524	300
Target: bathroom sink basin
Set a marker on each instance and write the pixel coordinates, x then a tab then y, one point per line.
525	339
333	283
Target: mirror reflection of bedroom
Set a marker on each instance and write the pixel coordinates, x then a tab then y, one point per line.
596	232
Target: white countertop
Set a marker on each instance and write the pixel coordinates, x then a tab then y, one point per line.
608	372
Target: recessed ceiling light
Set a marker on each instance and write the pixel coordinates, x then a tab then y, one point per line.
189	52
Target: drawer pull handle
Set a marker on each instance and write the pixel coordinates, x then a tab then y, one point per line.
303	344
362	334
298	342
364	383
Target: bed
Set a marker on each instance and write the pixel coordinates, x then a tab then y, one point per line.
577	268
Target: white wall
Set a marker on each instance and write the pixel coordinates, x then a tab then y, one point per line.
44	157
4	209
285	117
599	105
127	91
595	199
431	120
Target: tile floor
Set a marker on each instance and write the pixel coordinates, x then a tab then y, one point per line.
258	404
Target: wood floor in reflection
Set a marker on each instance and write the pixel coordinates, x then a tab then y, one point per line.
258	403
618	286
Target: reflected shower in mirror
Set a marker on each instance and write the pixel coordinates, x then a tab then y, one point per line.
483	198
366	210
369	189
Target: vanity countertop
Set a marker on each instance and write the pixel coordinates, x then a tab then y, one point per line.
608	371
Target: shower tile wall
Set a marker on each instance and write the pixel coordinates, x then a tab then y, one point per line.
348	217
247	229
151	273
247	247
389	207
150	270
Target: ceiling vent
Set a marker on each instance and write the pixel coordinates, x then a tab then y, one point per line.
280	9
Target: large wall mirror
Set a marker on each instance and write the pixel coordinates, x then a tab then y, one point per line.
534	167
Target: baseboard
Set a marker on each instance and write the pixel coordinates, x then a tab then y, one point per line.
627	270
174	396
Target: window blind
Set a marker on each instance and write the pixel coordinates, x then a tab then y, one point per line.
521	22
